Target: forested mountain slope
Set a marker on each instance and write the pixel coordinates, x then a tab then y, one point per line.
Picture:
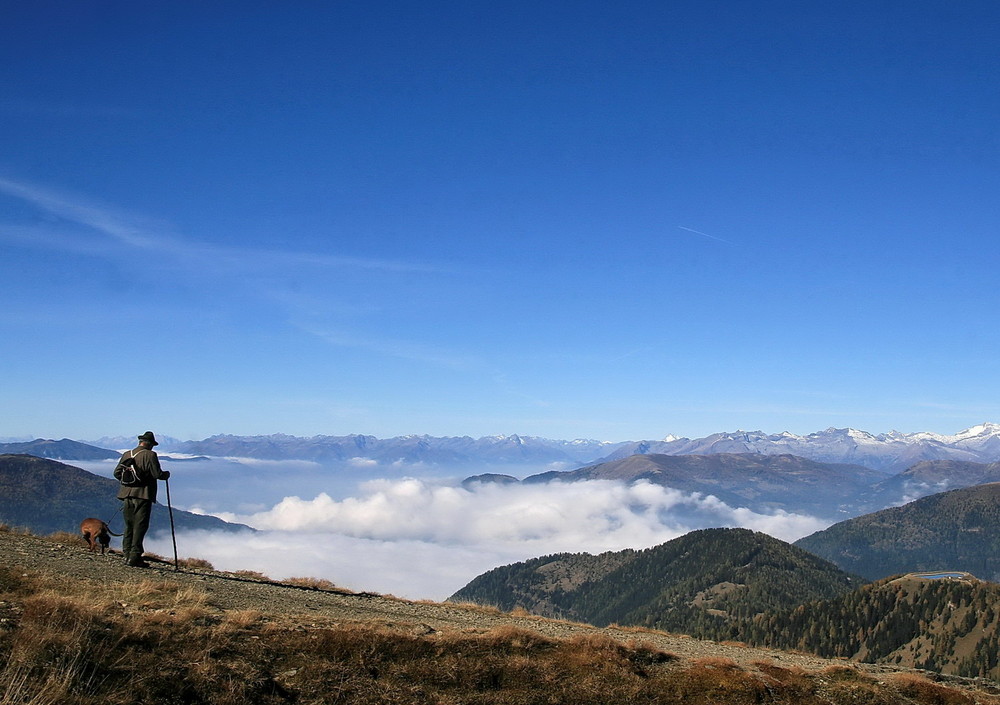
946	625
956	530
696	584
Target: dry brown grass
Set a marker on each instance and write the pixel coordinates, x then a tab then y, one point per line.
783	676
51	658
251	575
721	663
67	537
155	642
311	583
195	564
154	594
720	680
922	689
243	618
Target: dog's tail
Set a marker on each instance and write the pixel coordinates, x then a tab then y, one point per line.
109	530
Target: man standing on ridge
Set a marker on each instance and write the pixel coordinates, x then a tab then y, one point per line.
138	498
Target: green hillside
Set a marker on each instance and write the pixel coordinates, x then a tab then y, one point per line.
940	625
701	584
737	585
957	530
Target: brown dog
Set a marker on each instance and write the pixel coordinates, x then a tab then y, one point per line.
96	532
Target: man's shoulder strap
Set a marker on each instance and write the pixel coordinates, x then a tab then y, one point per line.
135	451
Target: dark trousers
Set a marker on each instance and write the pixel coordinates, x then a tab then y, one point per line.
136	513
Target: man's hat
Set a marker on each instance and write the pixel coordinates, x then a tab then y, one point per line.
148	436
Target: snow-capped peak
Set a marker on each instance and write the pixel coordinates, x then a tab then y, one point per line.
978	431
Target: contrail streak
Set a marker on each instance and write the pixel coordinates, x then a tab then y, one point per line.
698	232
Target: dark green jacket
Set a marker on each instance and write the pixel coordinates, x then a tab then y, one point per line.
147	463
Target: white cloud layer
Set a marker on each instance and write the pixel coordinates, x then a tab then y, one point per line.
421	539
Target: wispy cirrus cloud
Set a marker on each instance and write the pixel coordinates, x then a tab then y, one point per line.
145	234
100	219
312	292
402	349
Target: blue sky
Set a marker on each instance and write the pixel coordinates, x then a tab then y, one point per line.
602	220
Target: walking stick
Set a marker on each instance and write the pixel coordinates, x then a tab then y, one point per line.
170	510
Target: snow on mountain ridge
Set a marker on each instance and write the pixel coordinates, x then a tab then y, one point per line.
978	431
888	452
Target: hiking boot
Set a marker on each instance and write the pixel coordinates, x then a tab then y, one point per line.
136	562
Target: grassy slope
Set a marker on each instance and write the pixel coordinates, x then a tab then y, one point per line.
81	643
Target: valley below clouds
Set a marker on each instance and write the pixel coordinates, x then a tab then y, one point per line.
407	532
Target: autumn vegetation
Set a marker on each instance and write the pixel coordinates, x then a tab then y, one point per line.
157	641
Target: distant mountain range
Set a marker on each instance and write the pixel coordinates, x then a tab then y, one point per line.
763	483
443	451
930	477
771	483
888	452
832	474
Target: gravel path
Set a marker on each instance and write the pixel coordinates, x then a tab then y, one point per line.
312	608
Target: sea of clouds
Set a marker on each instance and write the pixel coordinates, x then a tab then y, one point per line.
422	536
